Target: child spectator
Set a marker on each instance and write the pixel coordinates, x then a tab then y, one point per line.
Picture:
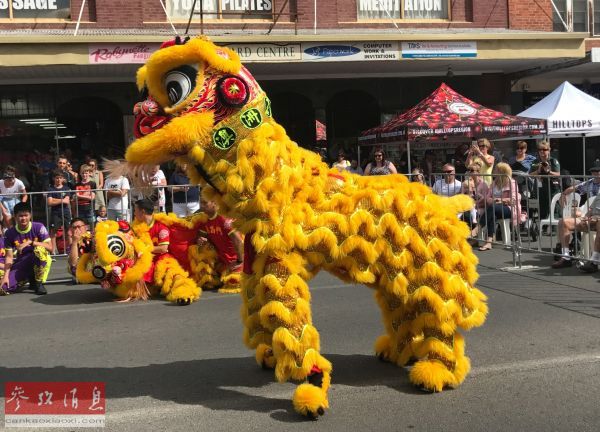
59	201
101	214
80	242
157	178
28	250
117	190
84	196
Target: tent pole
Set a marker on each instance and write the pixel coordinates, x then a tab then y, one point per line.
408	156
583	154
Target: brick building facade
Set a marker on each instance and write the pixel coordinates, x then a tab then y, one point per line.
493	51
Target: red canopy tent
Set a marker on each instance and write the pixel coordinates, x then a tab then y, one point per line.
446	114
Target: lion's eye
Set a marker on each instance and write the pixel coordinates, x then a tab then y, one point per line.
116	245
180	82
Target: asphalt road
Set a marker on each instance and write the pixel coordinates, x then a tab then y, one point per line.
535	363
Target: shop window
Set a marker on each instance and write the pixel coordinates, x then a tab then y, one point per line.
403	9
579	11
35	9
221	9
597	17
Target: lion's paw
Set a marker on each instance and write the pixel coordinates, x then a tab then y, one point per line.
264	356
310	401
383	348
431	375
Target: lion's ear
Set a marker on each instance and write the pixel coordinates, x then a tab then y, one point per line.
140	78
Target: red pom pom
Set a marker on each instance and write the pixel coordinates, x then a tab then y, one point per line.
124	226
232	91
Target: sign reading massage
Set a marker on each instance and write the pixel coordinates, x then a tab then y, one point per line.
350	52
60	9
411	9
439	49
224	9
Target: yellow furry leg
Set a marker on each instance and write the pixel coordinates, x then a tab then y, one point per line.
175	283
282	303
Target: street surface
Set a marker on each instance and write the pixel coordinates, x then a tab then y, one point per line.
535	363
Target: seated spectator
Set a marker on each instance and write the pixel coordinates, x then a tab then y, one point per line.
417	176
379	165
354	168
85	195
80	242
476	188
503	201
59	202
2	260
566	226
101	214
117	193
448	186
459	158
157	178
28	250
342	163
592	265
12	191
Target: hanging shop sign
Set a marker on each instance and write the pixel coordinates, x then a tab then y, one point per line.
411	9
438	49
350	52
267	53
224	9
121	53
60	9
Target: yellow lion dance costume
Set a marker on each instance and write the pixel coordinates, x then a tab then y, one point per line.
298	216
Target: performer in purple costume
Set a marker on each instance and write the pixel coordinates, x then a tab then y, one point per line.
28	250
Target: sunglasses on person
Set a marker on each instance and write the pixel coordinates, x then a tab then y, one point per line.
378	155
521	148
544	150
448	172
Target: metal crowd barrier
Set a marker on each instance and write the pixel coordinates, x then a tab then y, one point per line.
540	205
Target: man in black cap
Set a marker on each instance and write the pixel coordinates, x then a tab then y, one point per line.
566	226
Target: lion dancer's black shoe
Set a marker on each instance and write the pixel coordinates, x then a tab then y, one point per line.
37	287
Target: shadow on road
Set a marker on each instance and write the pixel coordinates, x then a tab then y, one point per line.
218	384
75	296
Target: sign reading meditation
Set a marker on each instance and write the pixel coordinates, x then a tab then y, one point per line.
411	9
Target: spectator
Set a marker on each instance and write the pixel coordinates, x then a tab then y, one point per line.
84	196
72	172
459	158
480	153
476	188
522	161
12	187
2	260
354	168
379	165
448	186
566	226
117	192
101	214
28	250
342	163
219	232
59	201
98	178
428	166
62	164
80	242
157	178
502	202
186	199
548	168
417	176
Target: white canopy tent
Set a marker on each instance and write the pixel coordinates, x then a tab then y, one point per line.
569	113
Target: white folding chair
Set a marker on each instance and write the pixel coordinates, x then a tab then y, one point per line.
587	237
550	221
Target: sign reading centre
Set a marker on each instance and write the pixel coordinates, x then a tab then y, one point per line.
436	49
267	53
350	52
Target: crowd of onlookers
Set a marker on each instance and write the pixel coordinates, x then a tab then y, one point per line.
502	189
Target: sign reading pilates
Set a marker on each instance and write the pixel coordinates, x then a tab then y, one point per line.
223	9
60	9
